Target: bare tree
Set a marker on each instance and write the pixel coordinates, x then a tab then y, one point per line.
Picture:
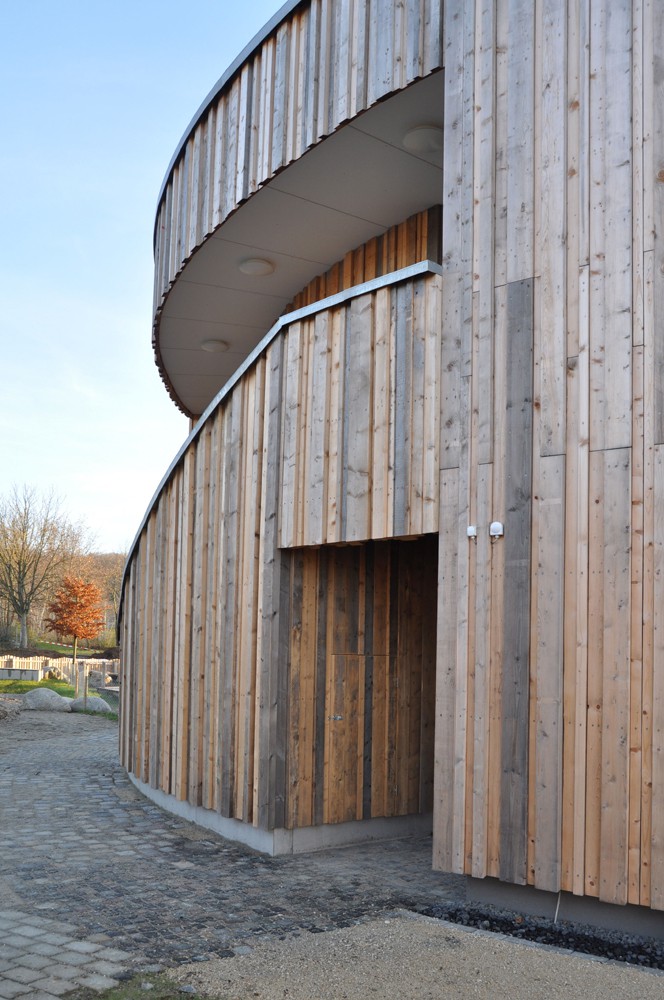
37	543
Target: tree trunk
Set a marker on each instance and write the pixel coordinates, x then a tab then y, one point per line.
75	668
23	642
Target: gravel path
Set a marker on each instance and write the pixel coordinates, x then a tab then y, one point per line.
406	957
97	883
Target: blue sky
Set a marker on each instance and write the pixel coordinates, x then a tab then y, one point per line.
94	97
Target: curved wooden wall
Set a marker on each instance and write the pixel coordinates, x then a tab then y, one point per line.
416	239
221	655
322	66
551	706
523	387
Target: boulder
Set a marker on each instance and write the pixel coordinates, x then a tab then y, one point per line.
9	707
94	704
45	700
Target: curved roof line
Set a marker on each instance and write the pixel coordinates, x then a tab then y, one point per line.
255	42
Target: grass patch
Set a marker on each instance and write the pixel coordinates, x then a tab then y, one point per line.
55	647
60	687
159	988
22	687
111	716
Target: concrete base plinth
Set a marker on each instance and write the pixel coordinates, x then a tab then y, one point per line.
566	906
299	841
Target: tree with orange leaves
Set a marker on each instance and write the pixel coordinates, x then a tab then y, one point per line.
76	610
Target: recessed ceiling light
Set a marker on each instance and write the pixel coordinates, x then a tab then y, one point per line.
257	266
215	346
424	139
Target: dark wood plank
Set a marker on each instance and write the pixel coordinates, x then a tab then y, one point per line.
517	548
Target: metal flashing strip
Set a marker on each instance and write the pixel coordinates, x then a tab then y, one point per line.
339	298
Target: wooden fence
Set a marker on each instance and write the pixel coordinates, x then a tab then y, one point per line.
29	668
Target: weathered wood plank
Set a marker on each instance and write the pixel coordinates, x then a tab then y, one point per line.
615	741
520	140
550	226
651	502
655	194
482	665
517	544
497	616
317	465
656	824
548	670
403	305
356	484
610	231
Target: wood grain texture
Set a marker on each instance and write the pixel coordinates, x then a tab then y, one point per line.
312	542
362	432
341	58
516	608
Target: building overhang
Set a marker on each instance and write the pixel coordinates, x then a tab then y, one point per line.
372	173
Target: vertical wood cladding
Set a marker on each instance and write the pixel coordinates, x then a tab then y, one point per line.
361	663
272	593
416	239
549	710
323	65
248	644
361	419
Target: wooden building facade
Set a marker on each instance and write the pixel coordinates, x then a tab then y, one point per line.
409	287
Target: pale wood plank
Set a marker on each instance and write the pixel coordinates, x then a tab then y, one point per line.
636	633
655	195
231	600
497	621
550	227
183	637
416	486
267	752
520	140
616	674
656	857
317	465
611	231
291	420
548	669
200	494
483	248
380	424
211	649
651	502
333	506
482	664
432	405
357	422
500	97
403	326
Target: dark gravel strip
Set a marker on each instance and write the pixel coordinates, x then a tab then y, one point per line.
610	944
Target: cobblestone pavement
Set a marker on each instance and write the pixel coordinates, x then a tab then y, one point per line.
97	882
